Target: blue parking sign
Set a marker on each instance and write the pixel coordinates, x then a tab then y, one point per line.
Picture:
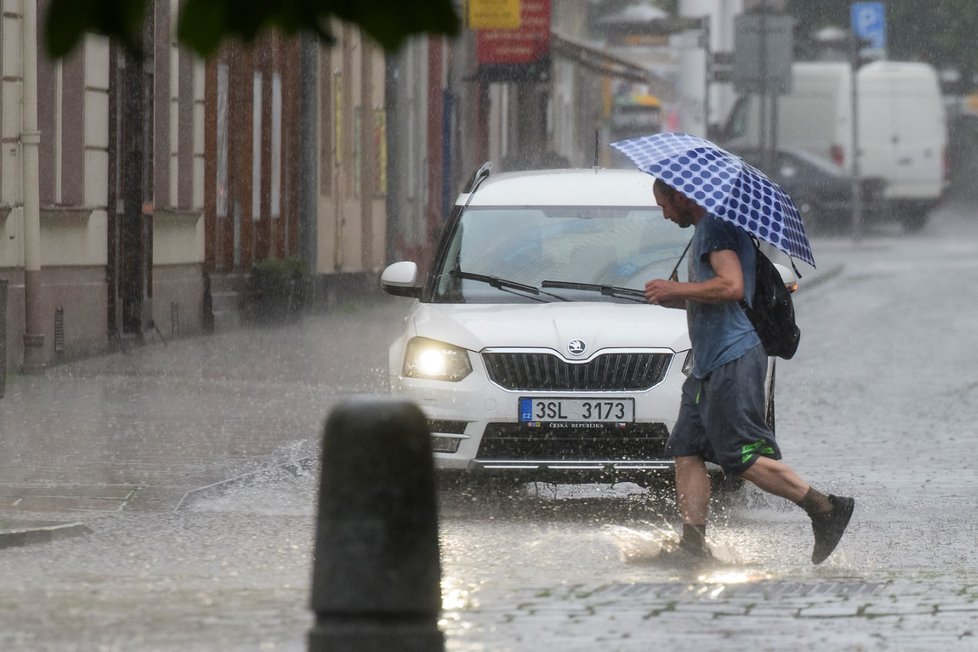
869	22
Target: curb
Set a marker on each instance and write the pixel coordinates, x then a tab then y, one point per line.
295	467
823	277
23	533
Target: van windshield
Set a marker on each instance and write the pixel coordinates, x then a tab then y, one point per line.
612	246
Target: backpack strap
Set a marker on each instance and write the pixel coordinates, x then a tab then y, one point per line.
675	270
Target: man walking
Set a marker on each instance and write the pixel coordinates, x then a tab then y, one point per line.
721	418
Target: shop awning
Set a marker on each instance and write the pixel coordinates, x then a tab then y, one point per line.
604	63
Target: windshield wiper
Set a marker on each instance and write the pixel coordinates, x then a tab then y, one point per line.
504	284
605	290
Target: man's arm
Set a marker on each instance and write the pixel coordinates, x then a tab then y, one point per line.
727	285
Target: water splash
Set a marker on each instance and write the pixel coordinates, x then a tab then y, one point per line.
640	547
659	544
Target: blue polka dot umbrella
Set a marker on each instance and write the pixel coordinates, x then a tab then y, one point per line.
723	184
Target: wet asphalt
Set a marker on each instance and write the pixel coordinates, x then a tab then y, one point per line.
163	498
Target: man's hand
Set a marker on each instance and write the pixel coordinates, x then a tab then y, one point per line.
660	292
726	285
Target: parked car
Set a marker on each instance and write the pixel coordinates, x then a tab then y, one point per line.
821	190
530	346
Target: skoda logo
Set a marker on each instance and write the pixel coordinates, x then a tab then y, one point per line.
576	347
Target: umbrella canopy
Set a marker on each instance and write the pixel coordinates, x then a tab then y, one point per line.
723	184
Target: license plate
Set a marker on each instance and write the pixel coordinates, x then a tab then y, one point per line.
581	410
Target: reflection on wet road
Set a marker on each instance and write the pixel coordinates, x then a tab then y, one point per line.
879	403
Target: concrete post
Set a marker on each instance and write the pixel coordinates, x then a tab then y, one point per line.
376	573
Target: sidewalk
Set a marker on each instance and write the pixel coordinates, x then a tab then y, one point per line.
139	430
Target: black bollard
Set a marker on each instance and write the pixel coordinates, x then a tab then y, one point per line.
376	584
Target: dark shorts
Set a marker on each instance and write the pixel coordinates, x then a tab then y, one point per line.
721	417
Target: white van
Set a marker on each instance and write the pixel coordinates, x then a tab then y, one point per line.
902	127
903	134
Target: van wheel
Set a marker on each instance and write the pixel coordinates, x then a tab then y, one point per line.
723	486
809	213
914	222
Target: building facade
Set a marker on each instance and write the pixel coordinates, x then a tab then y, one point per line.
110	269
162	183
296	166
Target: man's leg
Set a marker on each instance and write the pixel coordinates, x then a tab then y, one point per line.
693	499
830	514
775	477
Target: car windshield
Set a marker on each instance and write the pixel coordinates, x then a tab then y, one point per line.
516	249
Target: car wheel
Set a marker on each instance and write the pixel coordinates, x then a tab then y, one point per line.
815	218
723	485
806	209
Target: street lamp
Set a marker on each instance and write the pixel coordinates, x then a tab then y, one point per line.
843	40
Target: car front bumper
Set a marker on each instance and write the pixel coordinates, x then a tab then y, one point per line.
475	429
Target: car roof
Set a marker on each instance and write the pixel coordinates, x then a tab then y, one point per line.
566	187
791	151
753	155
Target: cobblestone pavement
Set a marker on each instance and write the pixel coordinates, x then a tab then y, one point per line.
616	591
839	614
134	448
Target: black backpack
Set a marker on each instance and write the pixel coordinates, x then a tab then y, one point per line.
771	311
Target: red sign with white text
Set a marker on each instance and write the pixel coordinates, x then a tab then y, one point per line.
529	43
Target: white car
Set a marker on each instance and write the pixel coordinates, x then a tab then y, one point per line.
531	348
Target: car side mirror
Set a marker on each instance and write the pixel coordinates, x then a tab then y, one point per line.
399	279
788	276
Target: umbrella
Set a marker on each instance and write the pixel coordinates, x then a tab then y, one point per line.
723	184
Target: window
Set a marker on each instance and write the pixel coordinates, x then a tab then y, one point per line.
276	164
613	245
222	141
256	123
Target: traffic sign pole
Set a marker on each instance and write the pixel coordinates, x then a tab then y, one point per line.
868	26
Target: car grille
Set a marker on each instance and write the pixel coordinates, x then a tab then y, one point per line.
548	372
517	441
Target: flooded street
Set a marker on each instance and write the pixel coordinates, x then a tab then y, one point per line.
194	467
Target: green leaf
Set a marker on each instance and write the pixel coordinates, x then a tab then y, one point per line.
67	21
389	23
205	24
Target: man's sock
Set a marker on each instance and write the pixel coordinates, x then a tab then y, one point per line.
694	536
815	503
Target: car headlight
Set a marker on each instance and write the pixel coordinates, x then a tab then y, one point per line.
434	360
688	363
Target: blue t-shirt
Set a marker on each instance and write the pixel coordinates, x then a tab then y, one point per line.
719	332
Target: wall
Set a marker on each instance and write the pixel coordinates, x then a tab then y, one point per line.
77	182
352	220
178	218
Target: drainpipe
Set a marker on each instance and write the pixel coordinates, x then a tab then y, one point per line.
309	147
30	139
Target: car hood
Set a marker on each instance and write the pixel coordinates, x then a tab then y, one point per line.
553	325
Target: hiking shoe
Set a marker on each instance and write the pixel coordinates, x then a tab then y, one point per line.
686	557
828	527
695	550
